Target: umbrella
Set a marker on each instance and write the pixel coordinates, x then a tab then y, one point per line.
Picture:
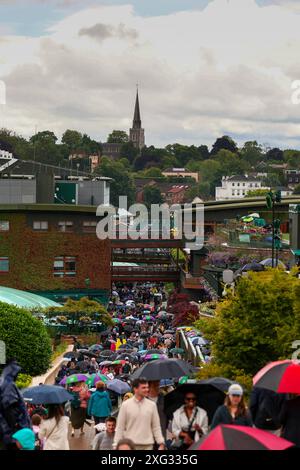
163	369
280	376
198	340
46	394
148	318
96	347
71	355
131	357
105	333
228	437
153	351
105	363
166	383
168	335
116	320
125	346
129	328
268	263
94	378
118	386
118	362
147	307
252	267
171	332
153	357
177	351
106	353
71	379
210	395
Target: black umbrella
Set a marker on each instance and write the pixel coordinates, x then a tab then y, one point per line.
105	333
128	328
46	394
144	335
153	351
125	346
210	395
163	369
131	357
106	353
71	355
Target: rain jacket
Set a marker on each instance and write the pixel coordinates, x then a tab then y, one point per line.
13	413
100	405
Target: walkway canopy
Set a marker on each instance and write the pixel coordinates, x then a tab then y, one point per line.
25	299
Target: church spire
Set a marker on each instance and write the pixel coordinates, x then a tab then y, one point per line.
137	123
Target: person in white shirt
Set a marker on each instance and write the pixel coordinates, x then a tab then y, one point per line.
190	422
54	429
138	420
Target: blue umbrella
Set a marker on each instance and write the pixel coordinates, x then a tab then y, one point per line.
118	386
46	395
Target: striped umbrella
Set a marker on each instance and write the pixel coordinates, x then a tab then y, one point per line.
153	357
119	362
280	376
72	379
228	437
94	378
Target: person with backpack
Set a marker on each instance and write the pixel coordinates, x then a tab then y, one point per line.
13	411
79	406
265	408
54	429
100	406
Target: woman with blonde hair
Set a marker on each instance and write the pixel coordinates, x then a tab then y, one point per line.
127	396
234	410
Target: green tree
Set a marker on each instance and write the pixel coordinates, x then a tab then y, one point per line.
258	324
44	148
292	157
129	151
297	189
224	143
152	195
72	139
252	152
257	193
26	339
153	172
117	137
80	313
122	184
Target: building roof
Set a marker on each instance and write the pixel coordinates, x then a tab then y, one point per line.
137	122
177	170
25	299
242	178
177	189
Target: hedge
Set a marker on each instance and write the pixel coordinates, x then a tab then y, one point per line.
26	339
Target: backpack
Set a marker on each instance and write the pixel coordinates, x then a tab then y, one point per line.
76	402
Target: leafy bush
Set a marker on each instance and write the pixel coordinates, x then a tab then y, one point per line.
59	350
26	339
23	381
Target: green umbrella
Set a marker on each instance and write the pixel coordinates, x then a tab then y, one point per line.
177	351
183	379
75	378
94	378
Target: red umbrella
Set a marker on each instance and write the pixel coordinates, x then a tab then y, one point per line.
280	376
227	437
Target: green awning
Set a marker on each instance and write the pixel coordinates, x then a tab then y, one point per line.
296	252
25	299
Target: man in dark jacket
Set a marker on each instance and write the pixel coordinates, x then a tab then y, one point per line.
159	399
13	412
265	407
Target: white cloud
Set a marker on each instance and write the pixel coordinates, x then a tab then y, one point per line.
226	69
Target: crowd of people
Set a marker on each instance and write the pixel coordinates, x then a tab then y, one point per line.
126	409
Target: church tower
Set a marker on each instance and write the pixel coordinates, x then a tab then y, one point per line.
136	133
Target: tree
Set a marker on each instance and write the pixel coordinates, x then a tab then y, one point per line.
201	190
44	148
297	189
26	339
79	314
122	184
258	324
224	143
292	157
44	136
252	152
274	154
153	172
72	139
152	195
129	151
117	137
257	193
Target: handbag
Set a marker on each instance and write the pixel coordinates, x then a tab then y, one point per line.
179	444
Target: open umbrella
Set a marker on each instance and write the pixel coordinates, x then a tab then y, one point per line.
198	340
153	351
229	437
163	369
72	379
106	353
268	263
118	386
153	357
280	376
71	355
210	395
105	333
131	357
118	362
177	351
96	347
94	378
105	363
46	395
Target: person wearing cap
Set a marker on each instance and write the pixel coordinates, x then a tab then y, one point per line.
234	410
24	439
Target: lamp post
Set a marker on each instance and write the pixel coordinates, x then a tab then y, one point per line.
271	199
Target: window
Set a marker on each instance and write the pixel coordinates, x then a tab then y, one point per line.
89	226
64	266
244	184
4	264
232	184
238	184
4	225
40	225
65	226
233	193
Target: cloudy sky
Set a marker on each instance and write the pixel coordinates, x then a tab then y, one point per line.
204	67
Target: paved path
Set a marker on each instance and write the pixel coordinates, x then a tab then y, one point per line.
82	442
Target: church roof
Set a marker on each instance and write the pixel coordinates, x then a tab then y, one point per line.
137	122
